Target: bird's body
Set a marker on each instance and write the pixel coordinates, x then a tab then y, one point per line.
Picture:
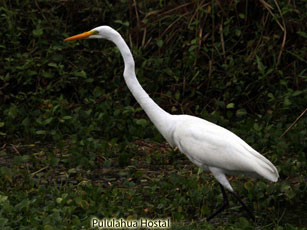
209	146
219	151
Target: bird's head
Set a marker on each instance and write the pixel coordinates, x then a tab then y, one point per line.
101	32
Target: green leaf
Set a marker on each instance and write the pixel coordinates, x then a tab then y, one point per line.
52	65
302	33
3	222
249	186
297	92
67	117
285	187
160	43
287	101
241	112
48	120
59	200
238	33
125	23
47	74
260	66
41	132
230	106
177	95
80	74
38	32
48	227
270	95
141	122
13	111
3	198
242	16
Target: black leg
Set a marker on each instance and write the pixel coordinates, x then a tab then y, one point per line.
250	214
220	209
226	204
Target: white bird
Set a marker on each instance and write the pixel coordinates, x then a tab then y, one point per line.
209	146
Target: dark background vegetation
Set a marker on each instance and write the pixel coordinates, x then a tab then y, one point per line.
75	144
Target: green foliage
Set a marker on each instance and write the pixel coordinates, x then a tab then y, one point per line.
70	130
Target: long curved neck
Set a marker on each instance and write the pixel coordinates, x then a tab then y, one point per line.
157	115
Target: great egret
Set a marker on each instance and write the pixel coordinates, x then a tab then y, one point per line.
209	146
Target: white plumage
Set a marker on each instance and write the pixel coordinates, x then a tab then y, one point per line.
215	149
209	146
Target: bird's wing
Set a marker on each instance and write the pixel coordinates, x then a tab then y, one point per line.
207	144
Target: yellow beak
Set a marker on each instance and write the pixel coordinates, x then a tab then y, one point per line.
81	36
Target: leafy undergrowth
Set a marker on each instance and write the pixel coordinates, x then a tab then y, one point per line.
42	187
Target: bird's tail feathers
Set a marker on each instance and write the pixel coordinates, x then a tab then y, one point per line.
264	167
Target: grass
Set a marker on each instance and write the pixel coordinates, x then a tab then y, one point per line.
157	182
